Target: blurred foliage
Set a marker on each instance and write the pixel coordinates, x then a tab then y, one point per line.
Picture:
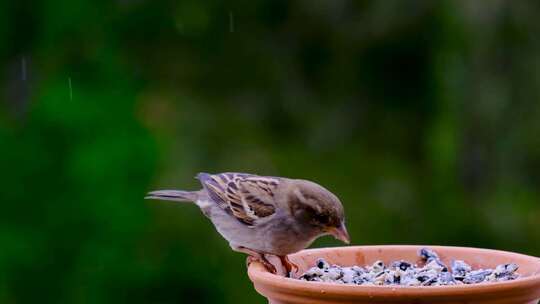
423	117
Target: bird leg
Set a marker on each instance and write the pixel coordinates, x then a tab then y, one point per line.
289	266
261	258
254	256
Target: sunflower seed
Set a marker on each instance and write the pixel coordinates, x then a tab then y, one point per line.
403	273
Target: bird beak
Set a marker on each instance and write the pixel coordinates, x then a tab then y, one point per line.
340	233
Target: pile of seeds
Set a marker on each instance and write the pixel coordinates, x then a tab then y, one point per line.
432	273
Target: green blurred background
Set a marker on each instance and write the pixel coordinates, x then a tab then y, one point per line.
422	116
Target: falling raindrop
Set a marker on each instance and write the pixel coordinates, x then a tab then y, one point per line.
70	89
23	68
231	22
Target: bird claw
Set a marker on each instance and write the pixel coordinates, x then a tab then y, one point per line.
288	265
269	266
250	259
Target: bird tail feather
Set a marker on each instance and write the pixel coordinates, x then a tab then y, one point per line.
173	195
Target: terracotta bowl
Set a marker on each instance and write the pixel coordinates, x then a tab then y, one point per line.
281	290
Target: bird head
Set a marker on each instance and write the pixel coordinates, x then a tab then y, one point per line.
320	209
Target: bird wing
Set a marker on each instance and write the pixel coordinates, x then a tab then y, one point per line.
246	197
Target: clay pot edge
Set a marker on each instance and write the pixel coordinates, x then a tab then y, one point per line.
260	276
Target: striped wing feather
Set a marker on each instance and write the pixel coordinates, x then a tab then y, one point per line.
246	197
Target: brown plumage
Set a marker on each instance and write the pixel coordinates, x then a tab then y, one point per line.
262	215
245	197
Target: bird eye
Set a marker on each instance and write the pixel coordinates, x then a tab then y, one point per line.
322	218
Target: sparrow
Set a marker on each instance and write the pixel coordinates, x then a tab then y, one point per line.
265	215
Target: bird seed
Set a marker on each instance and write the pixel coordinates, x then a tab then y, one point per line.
432	272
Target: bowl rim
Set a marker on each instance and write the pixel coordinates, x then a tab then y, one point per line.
259	275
